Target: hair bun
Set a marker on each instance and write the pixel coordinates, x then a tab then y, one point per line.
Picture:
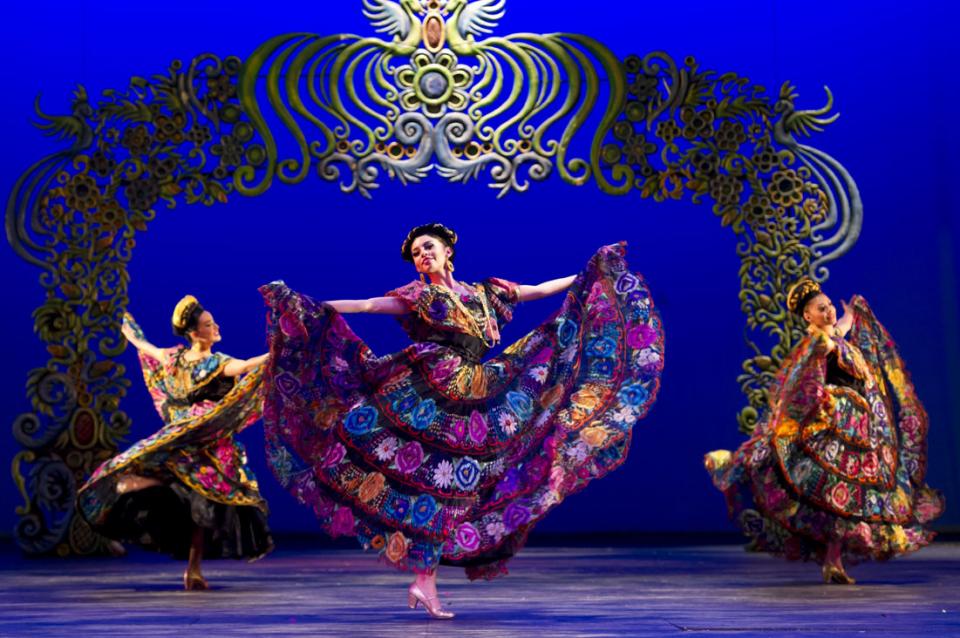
441	232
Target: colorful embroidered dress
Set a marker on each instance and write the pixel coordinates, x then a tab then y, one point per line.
203	471
841	455
431	456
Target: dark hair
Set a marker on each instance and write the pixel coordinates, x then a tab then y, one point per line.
189	321
800	294
441	232
805	299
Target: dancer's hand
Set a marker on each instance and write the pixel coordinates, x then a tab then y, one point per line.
846	321
127	331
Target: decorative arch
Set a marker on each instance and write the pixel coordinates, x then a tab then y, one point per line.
440	93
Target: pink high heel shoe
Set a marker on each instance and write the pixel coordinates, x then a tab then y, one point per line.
416	596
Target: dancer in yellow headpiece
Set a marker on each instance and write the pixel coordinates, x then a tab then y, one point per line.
187	489
835	471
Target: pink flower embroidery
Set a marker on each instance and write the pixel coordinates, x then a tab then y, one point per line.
641	336
409	457
840	495
342	522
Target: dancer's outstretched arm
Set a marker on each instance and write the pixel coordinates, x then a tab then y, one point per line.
236	367
547	288
377	305
143	345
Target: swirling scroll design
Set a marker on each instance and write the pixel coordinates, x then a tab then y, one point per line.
684	131
349	104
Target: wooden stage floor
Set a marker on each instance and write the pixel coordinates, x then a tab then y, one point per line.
682	591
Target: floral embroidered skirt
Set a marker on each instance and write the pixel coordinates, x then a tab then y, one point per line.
204	481
430	458
850	471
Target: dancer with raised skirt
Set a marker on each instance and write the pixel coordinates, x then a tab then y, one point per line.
835	471
187	490
432	455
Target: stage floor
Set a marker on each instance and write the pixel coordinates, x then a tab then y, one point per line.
689	591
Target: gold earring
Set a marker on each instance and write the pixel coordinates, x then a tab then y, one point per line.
423	279
449	266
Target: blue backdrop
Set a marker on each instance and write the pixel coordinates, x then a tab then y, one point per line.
888	65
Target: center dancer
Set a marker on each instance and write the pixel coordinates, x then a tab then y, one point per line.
433	456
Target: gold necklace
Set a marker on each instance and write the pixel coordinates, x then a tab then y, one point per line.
480	327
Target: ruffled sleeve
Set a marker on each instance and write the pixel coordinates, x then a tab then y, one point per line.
411	294
503	296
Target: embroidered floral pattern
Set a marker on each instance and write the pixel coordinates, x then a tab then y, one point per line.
444	456
835	461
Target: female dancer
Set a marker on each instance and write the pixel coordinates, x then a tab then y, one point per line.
187	490
836	470
430	456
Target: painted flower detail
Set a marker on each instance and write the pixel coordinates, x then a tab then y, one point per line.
478	427
633	394
386	450
567	332
397	507
360	421
342	523
443	474
423	510
515	516
578	453
508	484
396	548
207	477
521	404
851	464
424	414
445	369
404	404
468	537
641	336
602	347
832	450
291	326
496	530
437	310
508	423
594	436
467	473
333	456
870	465
371	487
409	457
434	83
786	188
538	373
766	159
625	415
840	495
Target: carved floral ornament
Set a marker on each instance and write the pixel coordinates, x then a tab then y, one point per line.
439	93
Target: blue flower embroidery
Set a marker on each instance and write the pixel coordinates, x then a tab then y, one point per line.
397	508
404	404
602	347
423	510
467	473
567	332
633	394
361	420
521	404
423	415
